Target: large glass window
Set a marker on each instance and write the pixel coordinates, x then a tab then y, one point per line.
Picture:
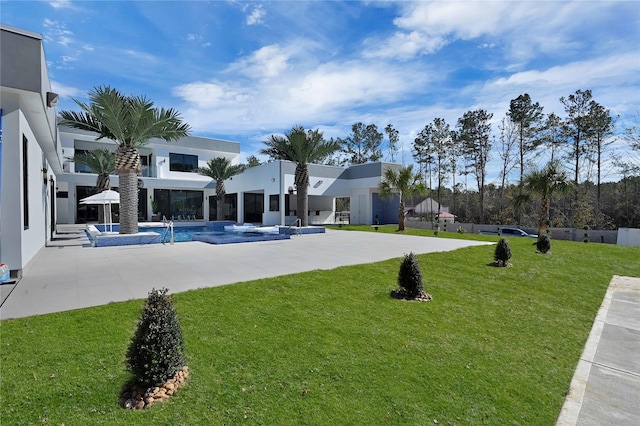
179	205
230	207
253	207
182	162
86	213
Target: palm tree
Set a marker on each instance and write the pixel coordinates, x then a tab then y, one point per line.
220	169
102	162
403	182
130	121
302	147
543	184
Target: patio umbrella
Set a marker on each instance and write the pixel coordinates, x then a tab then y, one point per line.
104	198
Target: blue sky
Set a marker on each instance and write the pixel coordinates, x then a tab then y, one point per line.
242	70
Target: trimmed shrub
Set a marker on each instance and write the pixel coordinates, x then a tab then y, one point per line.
156	351
409	276
543	244
461	230
502	253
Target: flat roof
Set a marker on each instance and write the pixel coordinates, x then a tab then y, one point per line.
5	27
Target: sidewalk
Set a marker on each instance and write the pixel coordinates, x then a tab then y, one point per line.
605	389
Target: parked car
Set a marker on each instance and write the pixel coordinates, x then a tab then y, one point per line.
509	232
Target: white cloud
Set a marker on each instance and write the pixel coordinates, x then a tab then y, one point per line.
256	16
403	45
57	32
65	91
266	62
61	4
611	78
279	88
524	28
214	94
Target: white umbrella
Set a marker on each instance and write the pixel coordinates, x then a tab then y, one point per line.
106	197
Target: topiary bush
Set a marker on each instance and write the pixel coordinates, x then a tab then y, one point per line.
410	276
156	352
502	253
543	244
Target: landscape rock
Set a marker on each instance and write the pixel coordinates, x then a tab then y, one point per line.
135	396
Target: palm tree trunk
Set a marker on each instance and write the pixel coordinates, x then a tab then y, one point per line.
128	203
544	216
220	206
302	205
102	184
127	167
401	214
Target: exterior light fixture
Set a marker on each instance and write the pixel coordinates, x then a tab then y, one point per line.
52	99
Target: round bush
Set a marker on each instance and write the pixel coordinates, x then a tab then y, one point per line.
502	253
156	351
409	276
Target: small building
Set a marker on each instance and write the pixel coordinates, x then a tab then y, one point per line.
444	218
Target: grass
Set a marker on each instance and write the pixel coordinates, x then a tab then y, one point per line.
496	346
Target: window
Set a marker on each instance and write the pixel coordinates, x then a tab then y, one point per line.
274	203
82	168
178	204
182	162
25	181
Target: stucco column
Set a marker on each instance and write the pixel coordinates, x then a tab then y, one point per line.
240	214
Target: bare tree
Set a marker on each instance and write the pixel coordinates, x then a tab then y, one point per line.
474	128
576	125
393	135
601	128
526	116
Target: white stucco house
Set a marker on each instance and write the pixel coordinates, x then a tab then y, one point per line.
30	151
40	187
262	195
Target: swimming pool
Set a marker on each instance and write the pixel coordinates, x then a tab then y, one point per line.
207	235
211	233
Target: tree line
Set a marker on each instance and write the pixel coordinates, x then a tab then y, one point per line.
446	155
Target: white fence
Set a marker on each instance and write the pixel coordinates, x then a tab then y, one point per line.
570	234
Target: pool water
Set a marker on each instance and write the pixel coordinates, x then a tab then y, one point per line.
180	233
204	234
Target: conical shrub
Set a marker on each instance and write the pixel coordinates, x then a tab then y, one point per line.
410	276
502	253
156	352
543	244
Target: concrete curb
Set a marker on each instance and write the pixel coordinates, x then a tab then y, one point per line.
570	415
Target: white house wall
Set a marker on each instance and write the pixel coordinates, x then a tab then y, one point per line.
19	245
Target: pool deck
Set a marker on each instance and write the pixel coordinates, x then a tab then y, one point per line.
69	274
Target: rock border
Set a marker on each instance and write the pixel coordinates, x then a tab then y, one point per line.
136	396
403	295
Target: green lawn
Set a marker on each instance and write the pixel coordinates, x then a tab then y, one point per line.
496	346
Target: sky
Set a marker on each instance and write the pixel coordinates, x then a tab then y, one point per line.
242	71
